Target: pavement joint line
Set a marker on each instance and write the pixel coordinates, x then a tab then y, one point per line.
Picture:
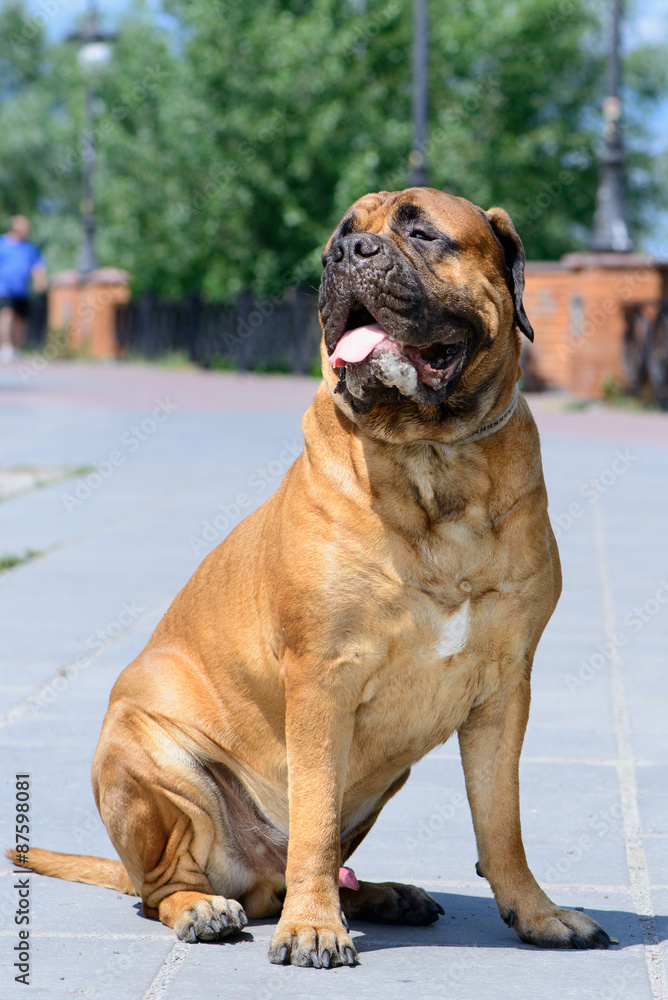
56	745
84	744
111	522
94	937
529	759
449	883
453	883
18	711
167	971
102	526
635	852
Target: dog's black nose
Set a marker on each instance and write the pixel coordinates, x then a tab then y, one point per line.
352	248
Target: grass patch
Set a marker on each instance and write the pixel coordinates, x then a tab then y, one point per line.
220	363
272	368
11	561
18	481
577	405
174	359
616	395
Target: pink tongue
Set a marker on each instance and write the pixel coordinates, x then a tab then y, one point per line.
347	879
357	344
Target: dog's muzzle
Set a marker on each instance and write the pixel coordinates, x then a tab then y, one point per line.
384	333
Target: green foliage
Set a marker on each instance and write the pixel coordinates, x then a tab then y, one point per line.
229	147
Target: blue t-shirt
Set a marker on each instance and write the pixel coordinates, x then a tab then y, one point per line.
17	259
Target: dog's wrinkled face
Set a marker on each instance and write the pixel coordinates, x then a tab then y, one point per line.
416	285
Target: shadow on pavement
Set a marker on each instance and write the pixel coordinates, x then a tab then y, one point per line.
469	922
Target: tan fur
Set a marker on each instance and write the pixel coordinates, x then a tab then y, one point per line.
76	868
297	676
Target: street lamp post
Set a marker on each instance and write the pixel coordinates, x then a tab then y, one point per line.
93	55
611	230
418	161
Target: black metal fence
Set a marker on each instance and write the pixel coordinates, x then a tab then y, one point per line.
270	334
646	348
283	334
36	328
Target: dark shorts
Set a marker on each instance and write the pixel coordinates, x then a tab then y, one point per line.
15	302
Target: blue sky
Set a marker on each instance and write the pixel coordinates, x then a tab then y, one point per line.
647	22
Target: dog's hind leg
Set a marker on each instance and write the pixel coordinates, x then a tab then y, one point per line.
169	824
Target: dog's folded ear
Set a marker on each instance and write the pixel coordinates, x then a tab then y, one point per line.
513	251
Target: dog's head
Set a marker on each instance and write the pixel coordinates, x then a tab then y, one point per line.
420	304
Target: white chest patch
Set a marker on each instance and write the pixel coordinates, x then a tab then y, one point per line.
455	632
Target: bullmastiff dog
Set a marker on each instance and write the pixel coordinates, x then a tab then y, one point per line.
390	593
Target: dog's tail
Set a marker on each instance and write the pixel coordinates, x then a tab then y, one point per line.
75	868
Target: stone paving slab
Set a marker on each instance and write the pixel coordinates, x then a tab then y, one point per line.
102	967
468	954
595	764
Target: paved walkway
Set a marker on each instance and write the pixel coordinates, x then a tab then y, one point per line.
145	460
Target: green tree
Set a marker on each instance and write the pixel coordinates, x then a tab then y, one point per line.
310	108
228	145
24	132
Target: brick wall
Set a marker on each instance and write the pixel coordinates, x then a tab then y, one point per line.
576	308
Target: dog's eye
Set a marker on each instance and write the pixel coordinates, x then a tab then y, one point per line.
419	234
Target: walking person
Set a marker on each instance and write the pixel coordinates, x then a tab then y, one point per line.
21	263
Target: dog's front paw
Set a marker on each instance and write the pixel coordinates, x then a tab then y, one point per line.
321	947
210	919
559	928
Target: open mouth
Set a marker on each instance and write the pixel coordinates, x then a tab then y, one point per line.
364	338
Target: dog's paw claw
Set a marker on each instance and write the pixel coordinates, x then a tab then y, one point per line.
562	929
322	947
210	919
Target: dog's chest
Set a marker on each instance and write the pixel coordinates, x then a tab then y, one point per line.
435	635
438	635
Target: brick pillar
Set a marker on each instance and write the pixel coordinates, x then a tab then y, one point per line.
576	308
82	310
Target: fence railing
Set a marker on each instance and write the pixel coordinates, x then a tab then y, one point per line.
36	326
646	348
283	334
271	334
